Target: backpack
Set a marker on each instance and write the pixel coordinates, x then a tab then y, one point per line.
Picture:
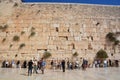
43	63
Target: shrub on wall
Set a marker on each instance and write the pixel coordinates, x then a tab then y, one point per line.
101	54
32	34
75	54
112	37
22	32
16	38
3	28
116	42
11	45
21	46
46	55
4	39
32	29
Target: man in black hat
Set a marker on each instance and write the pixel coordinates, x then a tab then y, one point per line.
63	65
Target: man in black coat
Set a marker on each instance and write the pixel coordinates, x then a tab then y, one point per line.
30	66
63	65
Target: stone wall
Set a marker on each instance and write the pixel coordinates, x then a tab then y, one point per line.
61	29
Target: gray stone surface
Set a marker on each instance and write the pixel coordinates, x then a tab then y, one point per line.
89	74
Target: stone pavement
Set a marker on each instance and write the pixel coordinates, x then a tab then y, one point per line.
89	74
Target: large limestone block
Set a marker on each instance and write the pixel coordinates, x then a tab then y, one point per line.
51	47
50	42
76	33
81	45
63	28
43	47
70	38
53	34
69	47
64	34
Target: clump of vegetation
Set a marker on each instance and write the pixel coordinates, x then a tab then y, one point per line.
116	42
4	28
22	32
21	46
11	45
75	54
46	55
112	37
101	54
32	29
4	39
32	34
16	38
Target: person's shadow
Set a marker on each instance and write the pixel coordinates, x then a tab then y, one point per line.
24	74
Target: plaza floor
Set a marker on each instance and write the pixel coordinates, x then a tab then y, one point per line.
89	74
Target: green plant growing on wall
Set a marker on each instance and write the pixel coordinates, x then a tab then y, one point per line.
16	38
46	55
4	39
75	54
22	32
32	29
101	54
11	45
111	37
116	42
3	28
32	34
21	46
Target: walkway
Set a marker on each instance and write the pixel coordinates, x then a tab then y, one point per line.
89	74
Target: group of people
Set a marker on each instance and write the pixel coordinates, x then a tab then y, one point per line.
58	65
13	64
70	65
34	66
106	63
83	64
